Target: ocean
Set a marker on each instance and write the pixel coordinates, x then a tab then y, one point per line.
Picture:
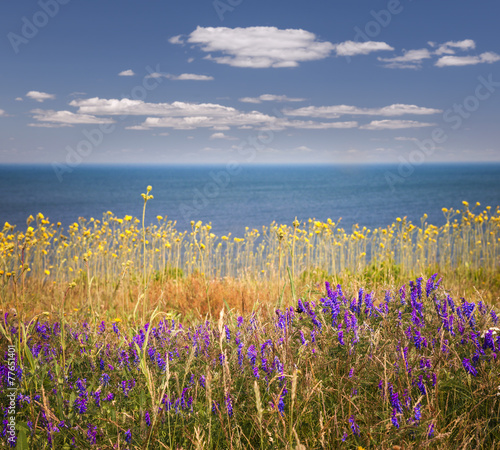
232	198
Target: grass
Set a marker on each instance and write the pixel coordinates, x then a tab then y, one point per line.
135	336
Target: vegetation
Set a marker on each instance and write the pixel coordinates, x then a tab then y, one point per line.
121	335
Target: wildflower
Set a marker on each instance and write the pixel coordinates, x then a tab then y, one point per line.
354	426
468	367
252	354
418	413
128	436
394	419
92	434
147	419
341	337
229	405
430	432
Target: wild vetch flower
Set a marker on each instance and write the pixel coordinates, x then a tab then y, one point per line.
430	431
228	333
128	436
229	405
488	340
80	405
417	339
239	321
252	354
421	385
92	434
354	425
418	413
147	419
110	397
469	367
281	402
115	329
402	294
394	419
341	337
97	398
494	316
256	372
396	404
202	381
351	372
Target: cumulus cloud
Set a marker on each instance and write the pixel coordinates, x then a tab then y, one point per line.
352	48
127	73
487	57
124	106
270	98
40	96
411	59
65	118
221	135
2	112
258	47
191	76
181	77
394	124
335	111
449	47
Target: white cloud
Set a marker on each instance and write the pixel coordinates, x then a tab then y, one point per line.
335	111
394	124
303	148
411	59
352	48
487	57
404	138
222	136
40	96
270	98
127	73
65	118
124	106
448	47
191	76
258	47
181	77
19	99
2	112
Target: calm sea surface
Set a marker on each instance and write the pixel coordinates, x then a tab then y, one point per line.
368	195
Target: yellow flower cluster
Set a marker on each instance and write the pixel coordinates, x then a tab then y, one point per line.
109	247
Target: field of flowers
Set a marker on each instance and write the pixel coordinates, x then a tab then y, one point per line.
119	334
412	369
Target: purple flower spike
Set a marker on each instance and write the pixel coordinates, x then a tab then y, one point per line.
469	367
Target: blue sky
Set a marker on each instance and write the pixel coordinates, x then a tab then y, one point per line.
249	81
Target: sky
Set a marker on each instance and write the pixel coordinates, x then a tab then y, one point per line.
249	81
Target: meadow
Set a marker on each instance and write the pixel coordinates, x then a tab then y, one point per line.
122	333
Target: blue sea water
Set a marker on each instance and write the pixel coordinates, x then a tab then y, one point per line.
371	196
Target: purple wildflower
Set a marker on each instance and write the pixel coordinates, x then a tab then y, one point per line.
147	419
229	405
469	367
394	419
418	413
128	436
354	426
92	433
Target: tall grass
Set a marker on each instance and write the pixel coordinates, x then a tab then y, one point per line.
410	368
110	257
